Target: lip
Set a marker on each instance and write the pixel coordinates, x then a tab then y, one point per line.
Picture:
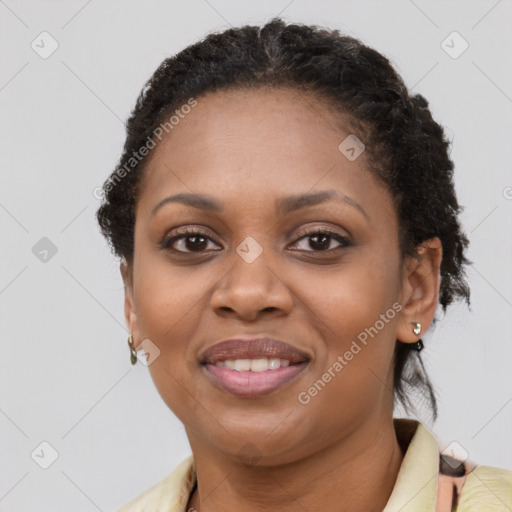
253	384
248	383
252	348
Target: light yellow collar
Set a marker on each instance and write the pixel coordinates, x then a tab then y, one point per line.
416	485
415	489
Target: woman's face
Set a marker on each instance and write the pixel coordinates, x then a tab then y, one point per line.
320	276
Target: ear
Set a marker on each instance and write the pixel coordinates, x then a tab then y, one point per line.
130	310
421	280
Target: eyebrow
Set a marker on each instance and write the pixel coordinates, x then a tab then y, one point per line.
289	204
284	205
199	201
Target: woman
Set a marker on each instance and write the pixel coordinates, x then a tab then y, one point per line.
287	225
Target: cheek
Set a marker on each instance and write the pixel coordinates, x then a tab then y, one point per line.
356	310
352	297
168	312
170	303
167	296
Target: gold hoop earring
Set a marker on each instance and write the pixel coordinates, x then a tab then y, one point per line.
133	352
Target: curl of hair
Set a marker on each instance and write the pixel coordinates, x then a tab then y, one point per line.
406	149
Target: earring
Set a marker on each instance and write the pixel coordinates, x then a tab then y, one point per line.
133	352
418	346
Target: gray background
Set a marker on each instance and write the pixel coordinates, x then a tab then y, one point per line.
65	372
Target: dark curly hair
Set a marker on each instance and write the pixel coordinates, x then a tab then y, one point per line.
405	147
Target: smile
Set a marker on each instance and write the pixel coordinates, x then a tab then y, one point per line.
253	377
254	365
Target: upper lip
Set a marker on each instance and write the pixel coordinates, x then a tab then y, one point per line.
252	348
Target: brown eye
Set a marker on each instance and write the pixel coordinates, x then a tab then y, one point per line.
320	240
187	241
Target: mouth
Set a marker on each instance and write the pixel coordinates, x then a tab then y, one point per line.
253	367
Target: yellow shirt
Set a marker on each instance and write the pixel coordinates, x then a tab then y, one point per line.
485	489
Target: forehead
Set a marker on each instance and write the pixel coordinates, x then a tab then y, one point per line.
254	144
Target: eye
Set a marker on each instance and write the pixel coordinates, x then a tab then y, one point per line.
321	239
189	241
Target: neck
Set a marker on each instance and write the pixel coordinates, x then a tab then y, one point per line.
358	472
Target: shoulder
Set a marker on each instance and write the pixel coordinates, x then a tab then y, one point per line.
486	488
170	494
462	485
468	487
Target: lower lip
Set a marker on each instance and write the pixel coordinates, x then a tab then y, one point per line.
253	384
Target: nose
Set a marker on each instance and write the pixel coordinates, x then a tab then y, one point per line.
250	290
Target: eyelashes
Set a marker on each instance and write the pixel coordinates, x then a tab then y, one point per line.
327	233
202	240
184	234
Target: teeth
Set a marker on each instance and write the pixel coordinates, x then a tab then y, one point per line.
274	364
259	365
254	365
242	365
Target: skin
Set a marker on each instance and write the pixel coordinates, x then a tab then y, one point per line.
247	149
